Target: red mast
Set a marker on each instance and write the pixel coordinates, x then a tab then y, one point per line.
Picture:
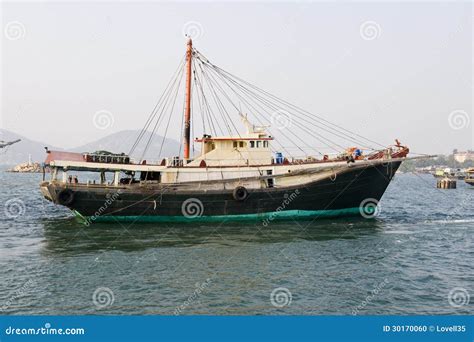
187	112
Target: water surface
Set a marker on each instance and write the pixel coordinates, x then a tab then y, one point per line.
407	260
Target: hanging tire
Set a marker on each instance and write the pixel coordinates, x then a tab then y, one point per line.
66	197
240	194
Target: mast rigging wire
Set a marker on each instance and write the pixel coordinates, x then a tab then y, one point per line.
217	82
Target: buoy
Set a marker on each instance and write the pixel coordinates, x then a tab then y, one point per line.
446	183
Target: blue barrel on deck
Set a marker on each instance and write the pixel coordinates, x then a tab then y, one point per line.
278	158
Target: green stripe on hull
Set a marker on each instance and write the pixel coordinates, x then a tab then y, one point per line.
268	217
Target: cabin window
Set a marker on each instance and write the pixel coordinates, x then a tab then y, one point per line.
235	144
258	143
265	143
270	181
241	144
252	144
154	176
150	176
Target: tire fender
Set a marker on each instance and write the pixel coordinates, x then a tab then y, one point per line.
65	197
240	193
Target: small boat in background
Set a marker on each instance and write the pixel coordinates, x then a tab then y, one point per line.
453	173
470	176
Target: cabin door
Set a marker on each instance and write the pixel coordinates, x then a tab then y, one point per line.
270	181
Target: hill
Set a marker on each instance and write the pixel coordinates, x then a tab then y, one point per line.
19	152
123	141
116	142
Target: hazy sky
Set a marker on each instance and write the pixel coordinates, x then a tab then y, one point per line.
408	75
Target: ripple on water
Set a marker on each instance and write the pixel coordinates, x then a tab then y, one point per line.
405	261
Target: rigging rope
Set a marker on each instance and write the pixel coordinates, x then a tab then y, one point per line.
166	103
275	110
323	121
155	109
226	89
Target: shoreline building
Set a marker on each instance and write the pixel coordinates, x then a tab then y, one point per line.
461	157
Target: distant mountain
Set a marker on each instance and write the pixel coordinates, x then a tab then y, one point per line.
123	141
19	152
117	143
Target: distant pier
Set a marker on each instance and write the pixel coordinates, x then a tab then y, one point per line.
446	183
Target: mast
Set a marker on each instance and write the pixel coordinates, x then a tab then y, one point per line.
187	112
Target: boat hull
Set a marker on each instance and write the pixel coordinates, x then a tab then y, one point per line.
469	181
346	194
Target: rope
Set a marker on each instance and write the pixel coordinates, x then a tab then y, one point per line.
156	107
333	127
226	89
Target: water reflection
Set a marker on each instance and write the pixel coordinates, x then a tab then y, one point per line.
71	236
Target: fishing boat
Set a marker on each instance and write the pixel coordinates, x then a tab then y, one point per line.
469	176
257	157
452	173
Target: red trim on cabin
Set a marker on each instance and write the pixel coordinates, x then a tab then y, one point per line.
67	156
231	139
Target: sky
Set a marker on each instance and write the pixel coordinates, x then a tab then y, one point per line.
74	72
